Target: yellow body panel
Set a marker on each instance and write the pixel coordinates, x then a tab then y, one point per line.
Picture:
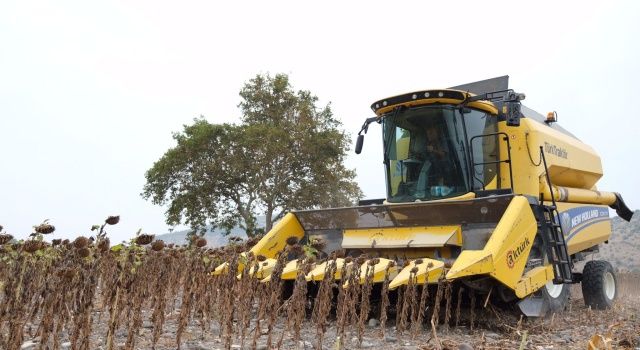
584	225
221	269
402	237
378	270
533	280
291	269
319	271
470	263
506	252
591	236
289	272
511	241
224	267
276	239
571	163
262	269
429	270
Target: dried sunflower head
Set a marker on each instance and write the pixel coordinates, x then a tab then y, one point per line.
296	249
32	245
201	242
44	228
261	257
112	220
414	270
144	239
81	242
419	261
5	238
103	244
56	242
84	252
157	245
293	240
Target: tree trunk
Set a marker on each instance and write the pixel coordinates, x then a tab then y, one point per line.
268	219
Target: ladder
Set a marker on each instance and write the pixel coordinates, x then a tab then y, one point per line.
557	251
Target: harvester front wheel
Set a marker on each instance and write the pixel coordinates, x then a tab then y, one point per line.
556	297
599	284
550	299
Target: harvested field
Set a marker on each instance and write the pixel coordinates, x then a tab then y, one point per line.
85	295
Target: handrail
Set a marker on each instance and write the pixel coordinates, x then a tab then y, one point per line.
508	160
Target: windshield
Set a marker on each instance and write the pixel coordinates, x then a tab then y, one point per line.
427	152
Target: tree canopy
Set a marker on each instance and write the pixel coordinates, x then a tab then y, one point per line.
286	153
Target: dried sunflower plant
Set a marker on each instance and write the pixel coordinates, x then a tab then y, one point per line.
87	293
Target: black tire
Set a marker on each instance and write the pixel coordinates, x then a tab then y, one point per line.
599	284
555	296
556	301
548	300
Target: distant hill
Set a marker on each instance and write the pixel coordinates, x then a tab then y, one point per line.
215	237
623	250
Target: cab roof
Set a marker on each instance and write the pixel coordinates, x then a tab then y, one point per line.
426	97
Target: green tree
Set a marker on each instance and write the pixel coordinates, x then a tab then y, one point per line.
286	153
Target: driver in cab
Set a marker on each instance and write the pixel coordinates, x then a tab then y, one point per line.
434	170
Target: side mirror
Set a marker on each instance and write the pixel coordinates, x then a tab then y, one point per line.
512	113
511	108
364	128
359	143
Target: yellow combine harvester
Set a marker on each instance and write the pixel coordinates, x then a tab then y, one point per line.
480	190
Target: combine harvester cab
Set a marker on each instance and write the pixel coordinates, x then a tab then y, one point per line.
481	192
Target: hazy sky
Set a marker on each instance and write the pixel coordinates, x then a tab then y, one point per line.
90	92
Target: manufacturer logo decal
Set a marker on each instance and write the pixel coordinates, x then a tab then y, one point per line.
588	215
515	254
555	150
